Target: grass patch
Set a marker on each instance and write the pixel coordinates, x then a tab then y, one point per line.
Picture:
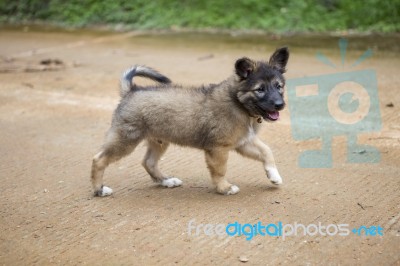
271	16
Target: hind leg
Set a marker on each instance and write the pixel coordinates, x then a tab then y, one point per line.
155	149
114	149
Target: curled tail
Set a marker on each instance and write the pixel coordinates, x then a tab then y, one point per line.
126	84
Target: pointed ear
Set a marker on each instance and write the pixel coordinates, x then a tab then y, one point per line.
279	59
244	67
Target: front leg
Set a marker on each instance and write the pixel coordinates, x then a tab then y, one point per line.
216	162
258	150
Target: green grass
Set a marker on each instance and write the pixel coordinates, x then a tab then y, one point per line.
272	16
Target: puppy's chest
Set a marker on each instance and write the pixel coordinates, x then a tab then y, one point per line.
248	136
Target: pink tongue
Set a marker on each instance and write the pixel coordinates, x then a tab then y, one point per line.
274	115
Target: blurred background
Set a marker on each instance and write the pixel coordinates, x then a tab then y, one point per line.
273	16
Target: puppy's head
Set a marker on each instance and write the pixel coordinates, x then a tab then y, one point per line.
261	85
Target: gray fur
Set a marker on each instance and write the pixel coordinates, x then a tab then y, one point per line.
215	118
141	71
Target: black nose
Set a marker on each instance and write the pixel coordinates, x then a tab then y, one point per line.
279	105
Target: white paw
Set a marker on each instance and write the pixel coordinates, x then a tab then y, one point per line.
171	182
274	176
233	190
105	191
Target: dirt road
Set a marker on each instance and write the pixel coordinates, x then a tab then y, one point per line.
53	121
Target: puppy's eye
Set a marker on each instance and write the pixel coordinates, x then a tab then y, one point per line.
280	88
260	89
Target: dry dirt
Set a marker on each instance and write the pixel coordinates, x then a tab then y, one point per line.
53	119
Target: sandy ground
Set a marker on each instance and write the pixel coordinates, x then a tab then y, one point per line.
53	121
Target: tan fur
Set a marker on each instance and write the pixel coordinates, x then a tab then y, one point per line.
217	119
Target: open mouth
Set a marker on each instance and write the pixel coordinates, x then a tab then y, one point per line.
273	116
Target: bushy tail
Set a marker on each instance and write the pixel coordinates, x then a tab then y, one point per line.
126	84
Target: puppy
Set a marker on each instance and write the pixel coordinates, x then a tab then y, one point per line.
215	118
